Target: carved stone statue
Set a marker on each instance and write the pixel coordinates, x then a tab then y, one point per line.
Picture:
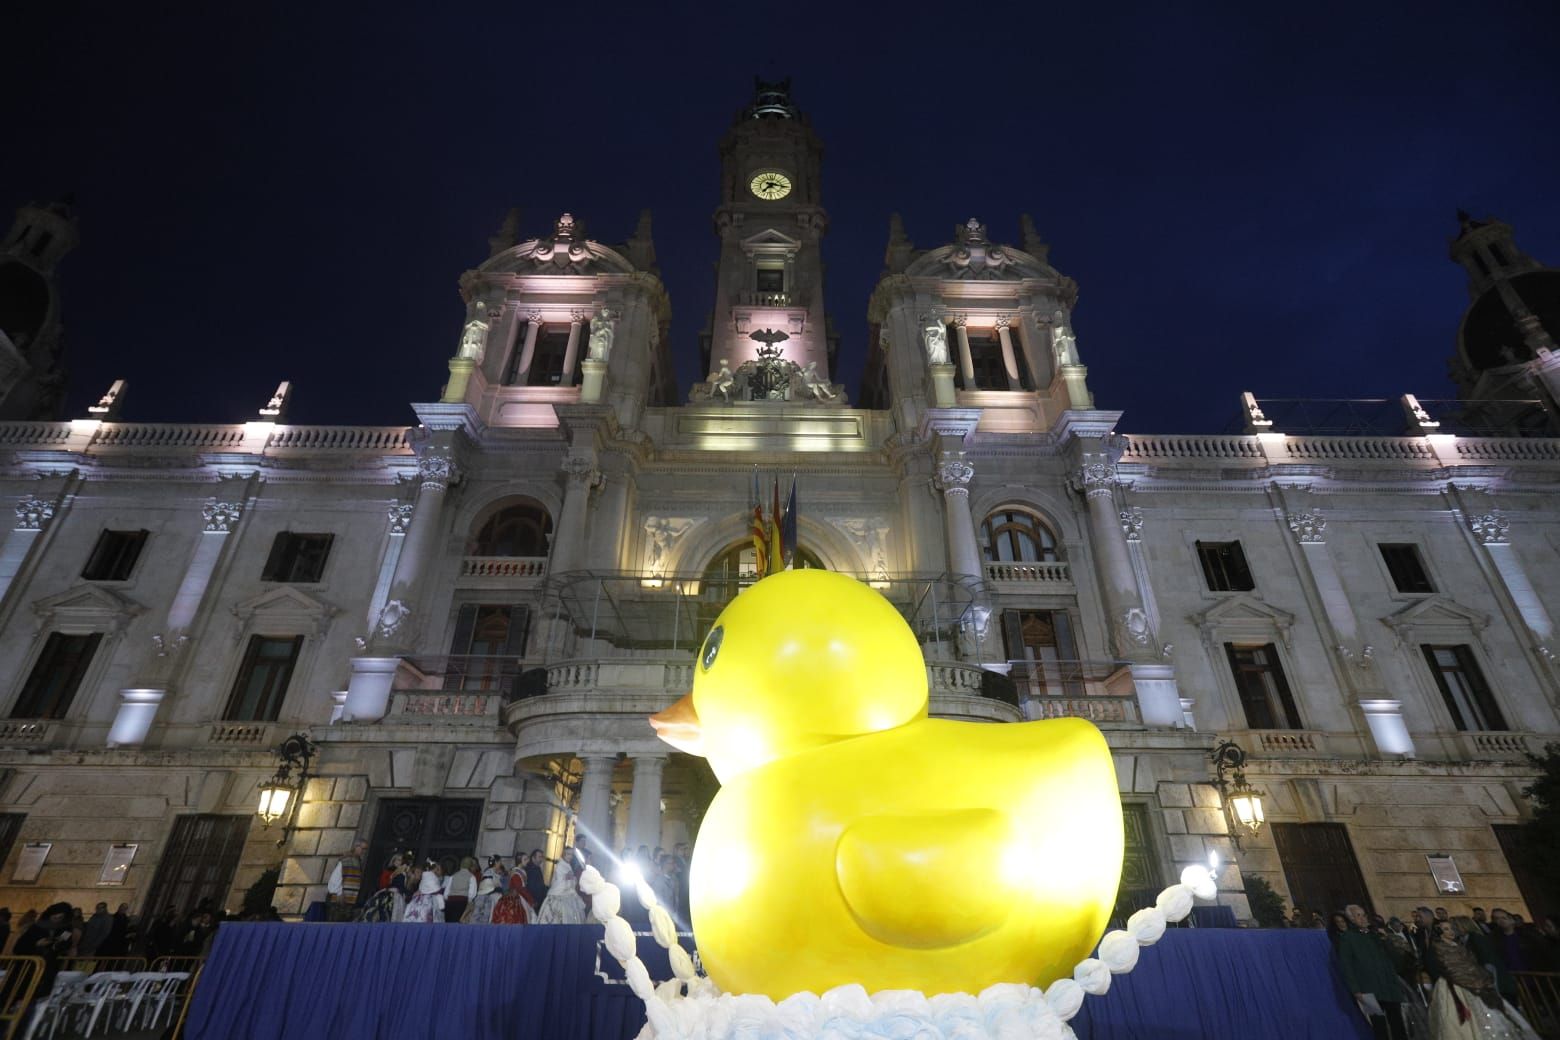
722	380
601	333
935	336
816	384
1063	343
473	342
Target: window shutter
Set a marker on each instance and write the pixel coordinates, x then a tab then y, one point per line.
460	643
277	559
1013	634
519	628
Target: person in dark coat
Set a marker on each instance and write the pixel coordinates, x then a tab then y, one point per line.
535	884
1370	974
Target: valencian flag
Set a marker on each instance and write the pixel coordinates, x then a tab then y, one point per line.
774	536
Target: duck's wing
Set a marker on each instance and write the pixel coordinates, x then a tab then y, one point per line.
899	876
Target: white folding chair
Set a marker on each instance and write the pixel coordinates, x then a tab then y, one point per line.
143	984
85	1006
165	998
48	1009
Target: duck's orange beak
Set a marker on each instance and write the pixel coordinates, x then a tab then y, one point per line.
679	726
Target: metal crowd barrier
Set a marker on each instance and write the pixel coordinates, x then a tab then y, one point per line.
1538	997
93	965
19	977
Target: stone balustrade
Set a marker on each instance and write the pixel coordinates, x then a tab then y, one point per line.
241	734
480	709
1095	708
89	437
529	567
24	732
1281	742
1493	745
1053	572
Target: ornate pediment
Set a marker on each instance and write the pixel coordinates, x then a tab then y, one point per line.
972	256
86	608
1436	617
770	240
288	607
567	251
1243	617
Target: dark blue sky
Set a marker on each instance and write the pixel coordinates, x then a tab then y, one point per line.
1248	199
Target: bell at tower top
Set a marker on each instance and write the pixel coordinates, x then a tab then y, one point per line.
771	101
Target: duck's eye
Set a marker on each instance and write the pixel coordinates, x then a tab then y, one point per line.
712	646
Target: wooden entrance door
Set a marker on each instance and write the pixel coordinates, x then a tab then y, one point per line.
1320	867
1139	866
430	828
197	864
1540	903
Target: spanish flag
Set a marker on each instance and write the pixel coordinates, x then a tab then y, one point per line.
757	529
777	559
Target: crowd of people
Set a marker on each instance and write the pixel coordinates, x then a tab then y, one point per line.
1456	975
414	890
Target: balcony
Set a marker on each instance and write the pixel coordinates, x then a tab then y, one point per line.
766	299
478	710
1043	576
25	732
508	570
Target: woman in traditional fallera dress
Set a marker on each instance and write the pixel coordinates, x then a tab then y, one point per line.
427	906
514	905
481	909
563	904
1466	1004
388	904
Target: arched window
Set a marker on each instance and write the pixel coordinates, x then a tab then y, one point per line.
523	529
1017	536
732	571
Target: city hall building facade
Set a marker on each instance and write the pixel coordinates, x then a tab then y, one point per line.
471	618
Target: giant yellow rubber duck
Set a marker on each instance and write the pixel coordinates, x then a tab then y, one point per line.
855	840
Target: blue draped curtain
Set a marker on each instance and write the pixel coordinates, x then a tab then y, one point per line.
364	982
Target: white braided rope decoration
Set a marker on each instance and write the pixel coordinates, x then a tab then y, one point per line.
690	1006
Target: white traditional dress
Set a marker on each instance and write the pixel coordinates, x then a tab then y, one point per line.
1458	1012
427	906
563	904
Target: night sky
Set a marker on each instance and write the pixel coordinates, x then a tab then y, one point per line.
1248	200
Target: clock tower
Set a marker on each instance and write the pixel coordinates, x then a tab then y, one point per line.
769	280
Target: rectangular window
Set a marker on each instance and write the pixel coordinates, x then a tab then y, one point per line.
198	862
10	827
1405	566
55	676
552	349
1224	567
262	678
771	279
1043	655
1264	693
487	647
1462	684
297	557
114	556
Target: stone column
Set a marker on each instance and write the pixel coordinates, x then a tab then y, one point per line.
966	362
953	478
568	537
1493	531
1383	715
1546	369
32	518
373	675
138	704
595	816
571	352
1132	634
644	810
1009	360
522	367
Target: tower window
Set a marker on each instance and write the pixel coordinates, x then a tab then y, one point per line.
771	279
1467	695
1405	566
552	350
263	677
114	556
297	557
1264	692
524	529
1224	567
56	675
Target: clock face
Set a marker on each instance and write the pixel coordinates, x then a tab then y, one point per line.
770	185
